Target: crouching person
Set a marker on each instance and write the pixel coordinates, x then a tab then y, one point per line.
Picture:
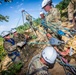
56	44
10	47
40	63
20	37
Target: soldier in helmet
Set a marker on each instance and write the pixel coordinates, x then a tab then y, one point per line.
52	17
53	13
43	21
40	63
11	47
18	37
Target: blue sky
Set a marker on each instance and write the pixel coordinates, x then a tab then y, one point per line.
13	10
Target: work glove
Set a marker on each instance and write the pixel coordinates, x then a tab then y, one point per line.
54	41
71	51
20	44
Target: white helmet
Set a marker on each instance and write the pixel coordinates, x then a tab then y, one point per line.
4	33
13	30
41	12
49	54
45	2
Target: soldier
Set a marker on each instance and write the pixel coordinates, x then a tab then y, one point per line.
53	13
10	47
53	16
43	21
71	8
40	63
57	43
18	37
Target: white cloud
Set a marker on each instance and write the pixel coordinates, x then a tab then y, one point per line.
11	7
21	4
19	10
18	6
33	10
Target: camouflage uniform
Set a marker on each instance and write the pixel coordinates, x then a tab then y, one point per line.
37	65
53	15
71	8
20	38
44	24
53	18
10	49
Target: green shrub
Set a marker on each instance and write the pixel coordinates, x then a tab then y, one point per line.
34	37
2	52
12	70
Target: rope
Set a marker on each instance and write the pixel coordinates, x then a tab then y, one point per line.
29	14
61	62
18	21
61	28
71	68
38	43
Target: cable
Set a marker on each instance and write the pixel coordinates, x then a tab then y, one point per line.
18	21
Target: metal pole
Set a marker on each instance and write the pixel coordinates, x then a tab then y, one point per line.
29	14
33	28
23	16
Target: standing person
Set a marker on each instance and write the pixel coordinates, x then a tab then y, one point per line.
10	47
43	21
71	8
40	63
53	13
52	17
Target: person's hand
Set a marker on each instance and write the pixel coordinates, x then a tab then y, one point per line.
71	51
21	44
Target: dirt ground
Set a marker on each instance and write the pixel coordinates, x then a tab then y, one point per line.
35	49
58	69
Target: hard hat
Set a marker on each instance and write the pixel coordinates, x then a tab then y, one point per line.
45	2
49	54
4	33
13	30
41	12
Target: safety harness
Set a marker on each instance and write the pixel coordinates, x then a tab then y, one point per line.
16	53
